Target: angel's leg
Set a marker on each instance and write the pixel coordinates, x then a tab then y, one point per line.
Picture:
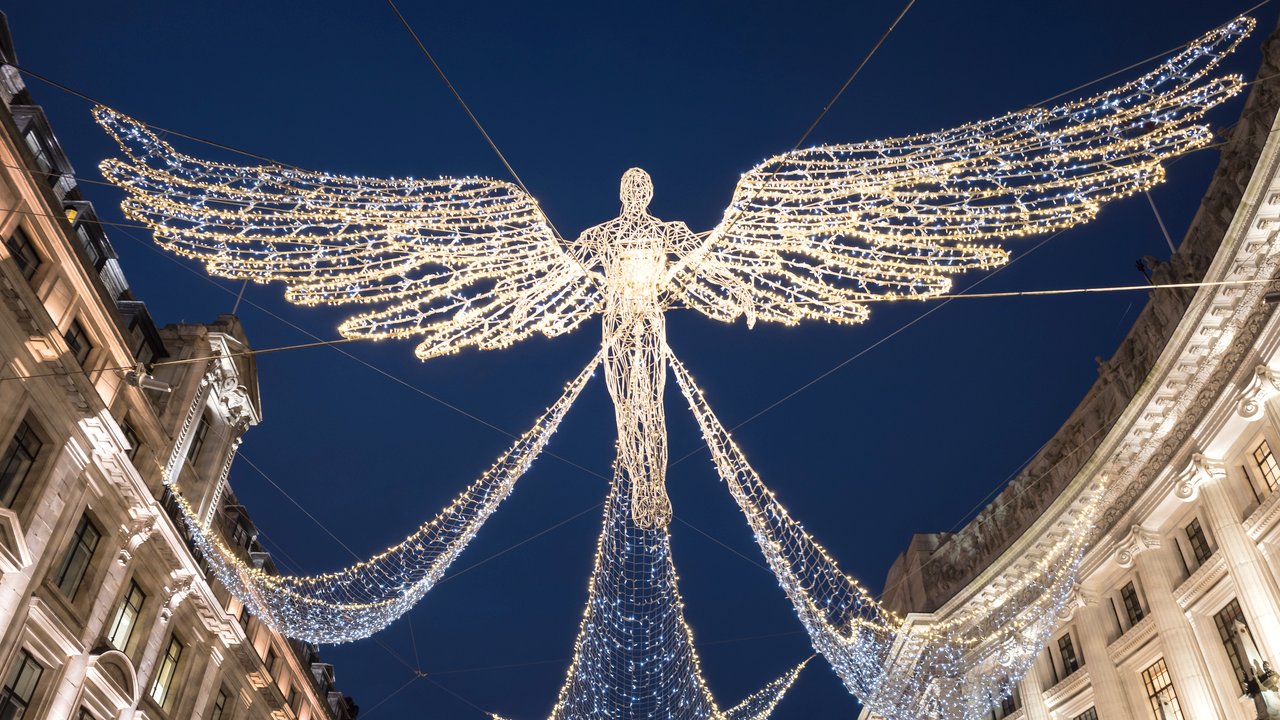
635	370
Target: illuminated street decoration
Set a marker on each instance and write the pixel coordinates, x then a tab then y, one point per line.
634	658
817	233
360	600
901	670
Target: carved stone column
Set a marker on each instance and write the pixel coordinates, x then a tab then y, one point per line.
1182	655
1031	688
1254	585
1108	693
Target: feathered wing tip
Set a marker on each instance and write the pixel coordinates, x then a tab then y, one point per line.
815	233
456	263
760	704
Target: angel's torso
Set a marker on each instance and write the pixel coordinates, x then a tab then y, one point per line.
633	254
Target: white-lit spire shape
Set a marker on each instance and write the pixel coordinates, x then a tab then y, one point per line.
634	657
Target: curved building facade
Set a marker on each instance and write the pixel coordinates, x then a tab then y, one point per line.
1177	611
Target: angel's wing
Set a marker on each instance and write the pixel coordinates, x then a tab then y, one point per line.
816	233
457	262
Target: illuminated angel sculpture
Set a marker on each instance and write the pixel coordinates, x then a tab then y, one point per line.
813	234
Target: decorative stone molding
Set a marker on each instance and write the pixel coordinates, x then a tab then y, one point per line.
1205	576
181	584
1137	542
1068	686
113	671
20	311
1075	601
1200	470
188	425
1134	638
14	554
135	532
1263	385
1264	517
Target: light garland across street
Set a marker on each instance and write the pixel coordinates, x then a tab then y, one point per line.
901	669
812	234
360	600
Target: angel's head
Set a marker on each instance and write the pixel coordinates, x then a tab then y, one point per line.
637	191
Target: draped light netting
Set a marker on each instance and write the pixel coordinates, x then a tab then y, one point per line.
357	601
901	669
634	658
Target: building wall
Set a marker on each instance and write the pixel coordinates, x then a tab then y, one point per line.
90	517
1184	429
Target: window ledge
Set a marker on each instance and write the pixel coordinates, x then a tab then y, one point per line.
1209	572
1132	639
1067	686
1264	517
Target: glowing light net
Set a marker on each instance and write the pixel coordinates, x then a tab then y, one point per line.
899	668
357	601
634	658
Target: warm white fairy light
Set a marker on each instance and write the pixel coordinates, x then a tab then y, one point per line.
361	599
814	233
958	668
811	234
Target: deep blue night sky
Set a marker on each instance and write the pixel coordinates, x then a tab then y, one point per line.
905	438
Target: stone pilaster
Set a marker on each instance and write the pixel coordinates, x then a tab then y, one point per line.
1031	688
1182	654
1254	585
1108	693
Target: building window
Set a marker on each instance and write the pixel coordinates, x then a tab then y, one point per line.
16	464
219	711
43	158
1090	714
20	687
79	554
1070	662
271	661
78	341
1226	620
1132	607
23	252
295	702
1199	543
85	715
126	617
243	619
197	439
162	686
131	437
1267	464
1008	705
96	258
1160	693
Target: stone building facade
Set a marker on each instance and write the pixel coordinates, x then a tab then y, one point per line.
106	612
1177	606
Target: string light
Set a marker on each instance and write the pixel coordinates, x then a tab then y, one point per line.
634	658
902	669
815	233
359	600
